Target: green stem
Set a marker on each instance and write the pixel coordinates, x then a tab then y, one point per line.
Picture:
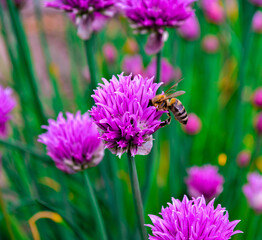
137	195
25	56
57	103
6	217
118	197
16	76
158	66
256	152
252	228
89	47
95	208
153	165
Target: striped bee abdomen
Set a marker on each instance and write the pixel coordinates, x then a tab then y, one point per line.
179	111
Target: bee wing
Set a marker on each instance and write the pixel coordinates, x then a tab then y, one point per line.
175	94
174	86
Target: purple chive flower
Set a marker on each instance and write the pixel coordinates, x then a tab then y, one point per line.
210	43
190	29
154	16
123	115
257	2
253	191
243	158
7	103
73	142
193	125
110	53
133	64
214	12
257	98
167	70
257	22
204	181
192	219
89	15
258	123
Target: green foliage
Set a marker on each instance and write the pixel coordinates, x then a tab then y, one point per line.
218	89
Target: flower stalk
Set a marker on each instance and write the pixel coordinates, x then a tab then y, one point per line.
89	46
23	49
158	66
6	217
137	195
95	208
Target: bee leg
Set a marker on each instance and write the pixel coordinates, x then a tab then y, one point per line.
166	122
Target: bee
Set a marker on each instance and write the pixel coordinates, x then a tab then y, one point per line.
169	102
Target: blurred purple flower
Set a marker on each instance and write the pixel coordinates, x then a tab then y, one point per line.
258	123
73	143
257	98
190	29
210	43
89	15
110	52
204	181
167	70
253	191
257	22
193	125
177	73
123	114
7	103
192	219
243	158
133	64
257	2
214	12
154	16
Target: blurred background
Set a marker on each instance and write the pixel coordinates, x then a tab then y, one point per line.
219	58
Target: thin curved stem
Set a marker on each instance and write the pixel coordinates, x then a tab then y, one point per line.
137	196
96	209
158	66
6	217
253	227
89	47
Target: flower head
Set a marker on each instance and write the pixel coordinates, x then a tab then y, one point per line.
190	29
192	219
167	70
214	12
193	125
257	22
154	16
258	123
210	43
253	191
89	15
73	142
7	103
110	53
204	181
243	158
123	115
133	64
257	98
257	2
